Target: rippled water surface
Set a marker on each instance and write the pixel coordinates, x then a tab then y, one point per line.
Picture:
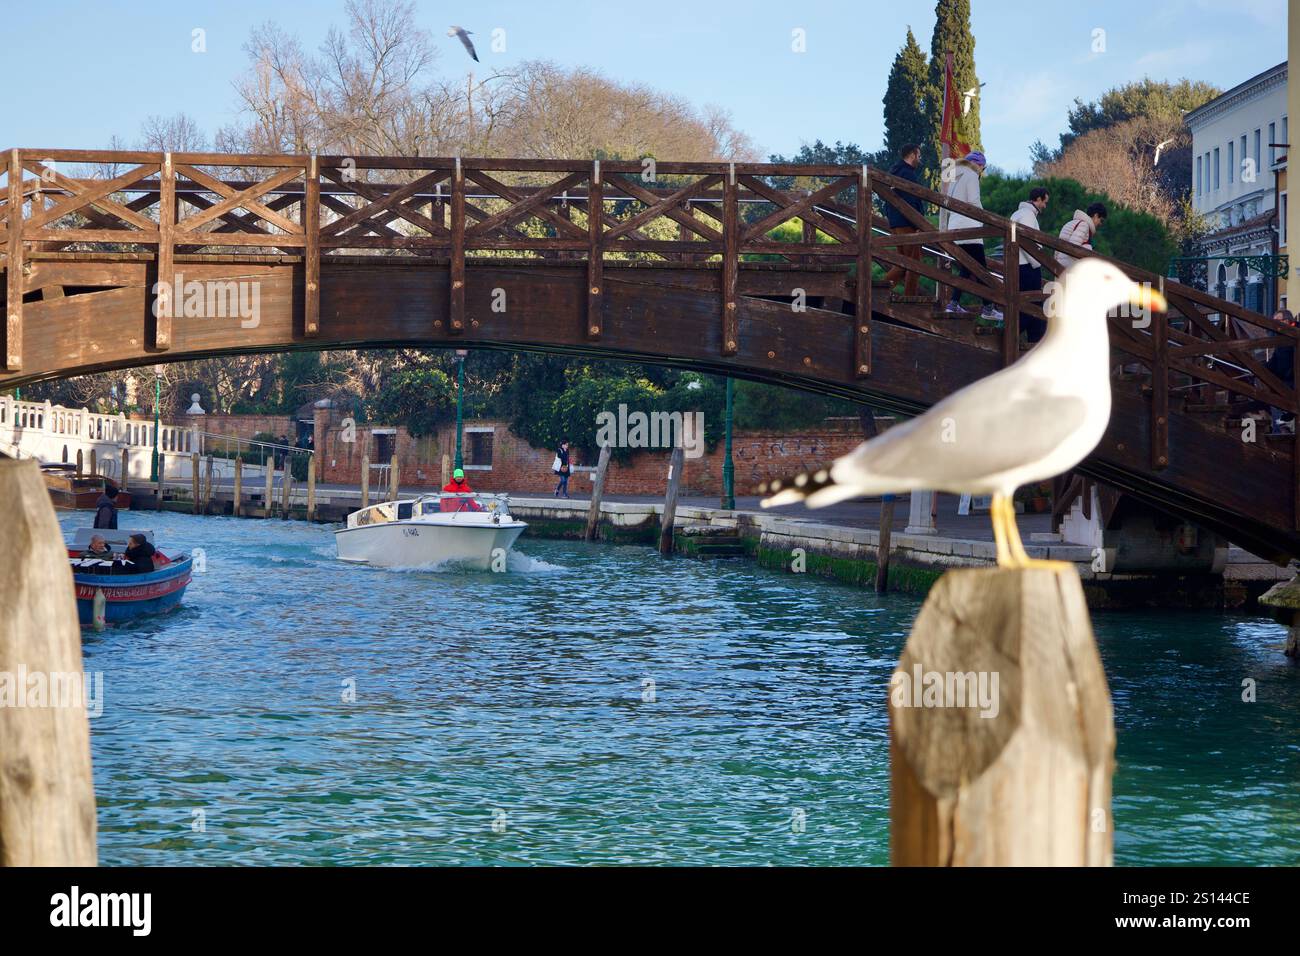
511	719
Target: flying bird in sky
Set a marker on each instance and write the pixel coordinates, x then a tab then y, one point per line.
968	95
1031	421
464	39
1159	147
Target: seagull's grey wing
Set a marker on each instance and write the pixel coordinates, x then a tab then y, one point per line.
469	44
985	429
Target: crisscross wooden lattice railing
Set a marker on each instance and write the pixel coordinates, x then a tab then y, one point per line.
589	214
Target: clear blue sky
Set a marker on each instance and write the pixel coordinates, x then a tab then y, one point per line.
115	63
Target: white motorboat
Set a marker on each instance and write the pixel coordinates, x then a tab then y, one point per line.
468	530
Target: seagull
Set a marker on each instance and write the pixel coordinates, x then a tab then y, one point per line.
1030	421
1159	147
464	39
968	95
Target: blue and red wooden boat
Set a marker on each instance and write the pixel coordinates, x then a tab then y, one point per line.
125	596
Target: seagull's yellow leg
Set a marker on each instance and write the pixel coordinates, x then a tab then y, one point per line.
1019	557
997	515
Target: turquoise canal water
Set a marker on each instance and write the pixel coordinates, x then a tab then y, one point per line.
506	719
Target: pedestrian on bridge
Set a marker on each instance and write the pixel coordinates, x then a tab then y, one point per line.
1031	271
561	469
899	225
965	186
1081	229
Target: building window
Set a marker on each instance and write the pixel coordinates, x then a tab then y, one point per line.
1243	150
1216	168
1272	138
1259	159
1282	223
478	450
1285	137
385	446
1231	162
1198	175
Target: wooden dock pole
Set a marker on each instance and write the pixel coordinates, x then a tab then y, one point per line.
237	506
675	464
882	550
286	478
365	481
207	485
446	469
1001	735
126	470
47	795
80	458
94	462
194	479
311	487
393	478
268	463
597	492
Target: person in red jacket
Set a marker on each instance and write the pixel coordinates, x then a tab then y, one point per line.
459	486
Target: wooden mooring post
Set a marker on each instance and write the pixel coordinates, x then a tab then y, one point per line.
675	464
365	481
47	794
126	470
311	487
194	479
1001	735
286	479
237	502
597	492
268	501
94	462
393	478
882	549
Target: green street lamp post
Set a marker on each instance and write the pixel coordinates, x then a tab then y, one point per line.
728	470
460	392
157	406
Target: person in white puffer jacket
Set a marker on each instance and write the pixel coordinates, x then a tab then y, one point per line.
1081	229
1031	273
965	186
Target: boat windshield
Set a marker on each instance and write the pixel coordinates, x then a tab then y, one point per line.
456	503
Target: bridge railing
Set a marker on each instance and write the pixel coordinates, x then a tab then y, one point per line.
1214	344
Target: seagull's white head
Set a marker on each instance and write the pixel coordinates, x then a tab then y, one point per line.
1092	287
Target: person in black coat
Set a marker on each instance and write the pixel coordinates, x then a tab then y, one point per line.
139	555
899	224
106	509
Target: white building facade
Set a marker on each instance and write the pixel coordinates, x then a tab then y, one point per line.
1235	185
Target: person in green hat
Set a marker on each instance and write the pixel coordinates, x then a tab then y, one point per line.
458	485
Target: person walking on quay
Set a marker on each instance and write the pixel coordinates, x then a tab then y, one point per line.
561	468
106	508
965	187
1081	229
905	168
1031	272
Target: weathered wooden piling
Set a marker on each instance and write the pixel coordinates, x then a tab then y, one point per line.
311	487
675	463
47	795
446	469
237	504
882	549
393	478
207	485
1002	738
597	491
94	462
365	481
194	480
80	460
286	479
268	502
126	469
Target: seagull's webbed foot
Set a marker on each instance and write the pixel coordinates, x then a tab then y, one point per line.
1010	549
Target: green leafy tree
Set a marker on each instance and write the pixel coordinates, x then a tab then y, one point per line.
1148	98
420	398
906	95
951	33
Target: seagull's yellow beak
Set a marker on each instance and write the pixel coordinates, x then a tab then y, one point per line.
1148	298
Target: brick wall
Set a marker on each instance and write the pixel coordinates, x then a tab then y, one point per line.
519	468
245	426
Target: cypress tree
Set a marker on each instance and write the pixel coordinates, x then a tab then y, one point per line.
951	32
906	120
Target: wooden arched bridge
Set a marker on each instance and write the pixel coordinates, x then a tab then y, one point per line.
118	259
